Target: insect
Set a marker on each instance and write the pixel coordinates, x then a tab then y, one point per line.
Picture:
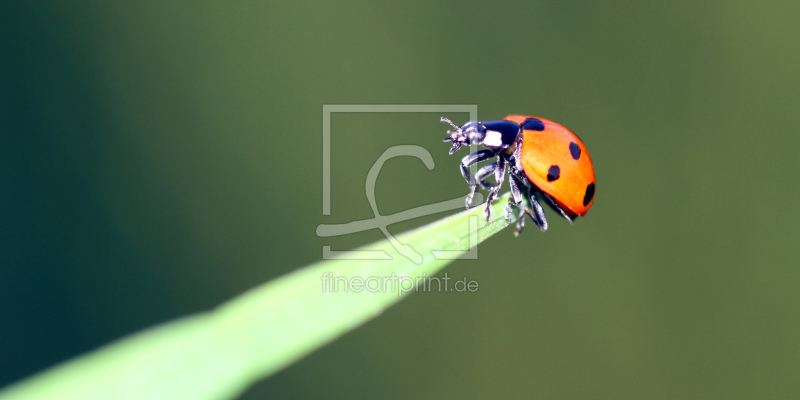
545	161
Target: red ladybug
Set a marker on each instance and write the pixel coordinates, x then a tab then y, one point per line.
545	161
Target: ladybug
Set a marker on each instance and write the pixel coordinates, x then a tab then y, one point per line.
545	161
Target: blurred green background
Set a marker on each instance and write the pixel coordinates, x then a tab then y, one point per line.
158	158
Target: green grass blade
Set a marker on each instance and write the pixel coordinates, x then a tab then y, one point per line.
218	354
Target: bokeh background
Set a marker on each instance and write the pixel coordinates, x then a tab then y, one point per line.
157	158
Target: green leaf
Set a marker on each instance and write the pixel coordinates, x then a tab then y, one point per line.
219	353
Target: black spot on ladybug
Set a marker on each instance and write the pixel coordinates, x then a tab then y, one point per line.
533	124
589	194
554	173
575	150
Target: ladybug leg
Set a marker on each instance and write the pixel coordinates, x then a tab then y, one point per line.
499	177
468	161
484	173
516	194
536	212
518	181
533	209
552	203
520	222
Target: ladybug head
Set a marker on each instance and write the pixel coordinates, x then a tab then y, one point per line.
473	132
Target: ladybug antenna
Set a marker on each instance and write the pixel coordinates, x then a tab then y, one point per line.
445	119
